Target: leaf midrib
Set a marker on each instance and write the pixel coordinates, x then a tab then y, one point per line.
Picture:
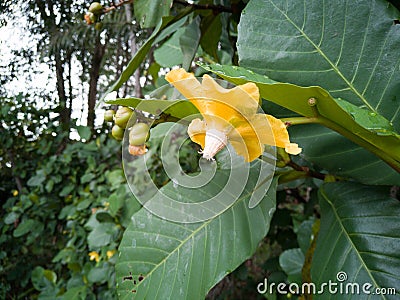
333	66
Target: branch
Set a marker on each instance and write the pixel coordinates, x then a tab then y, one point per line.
214	8
112	7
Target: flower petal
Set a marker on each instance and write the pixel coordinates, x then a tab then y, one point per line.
197	132
281	136
243	98
212	99
250	149
185	83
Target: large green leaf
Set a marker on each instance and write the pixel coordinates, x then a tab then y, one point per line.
166	260
331	151
150	12
189	42
323	147
169	53
350	48
359	236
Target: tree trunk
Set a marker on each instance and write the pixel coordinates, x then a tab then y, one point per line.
94	73
132	39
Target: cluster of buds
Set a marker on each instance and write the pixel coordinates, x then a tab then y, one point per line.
139	132
94	14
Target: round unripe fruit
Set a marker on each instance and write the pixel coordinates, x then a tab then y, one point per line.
98	26
95	8
138	134
117	132
123	115
109	115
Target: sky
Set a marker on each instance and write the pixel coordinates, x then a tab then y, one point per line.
15	37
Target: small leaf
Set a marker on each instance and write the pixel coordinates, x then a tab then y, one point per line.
291	261
25	227
38	179
84	132
101	235
75	293
149	13
87	178
11	218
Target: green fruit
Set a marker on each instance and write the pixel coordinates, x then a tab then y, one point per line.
109	115
98	26
96	8
117	132
139	134
123	115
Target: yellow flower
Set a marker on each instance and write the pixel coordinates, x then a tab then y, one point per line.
110	253
15	193
94	256
230	115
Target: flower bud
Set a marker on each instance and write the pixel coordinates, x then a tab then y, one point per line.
109	115
98	25
123	115
90	18
96	8
139	134
117	132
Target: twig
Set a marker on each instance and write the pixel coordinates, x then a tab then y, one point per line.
122	2
215	8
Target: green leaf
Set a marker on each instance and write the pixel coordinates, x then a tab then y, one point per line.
66	190
141	54
211	28
175	108
43	279
304	235
341	157
25	227
84	132
99	274
330	114
183	261
150	12
11	218
101	235
169	54
349	48
358	235
75	293
291	261
189	42
38	179
87	178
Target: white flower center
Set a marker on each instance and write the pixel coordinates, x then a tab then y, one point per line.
215	141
